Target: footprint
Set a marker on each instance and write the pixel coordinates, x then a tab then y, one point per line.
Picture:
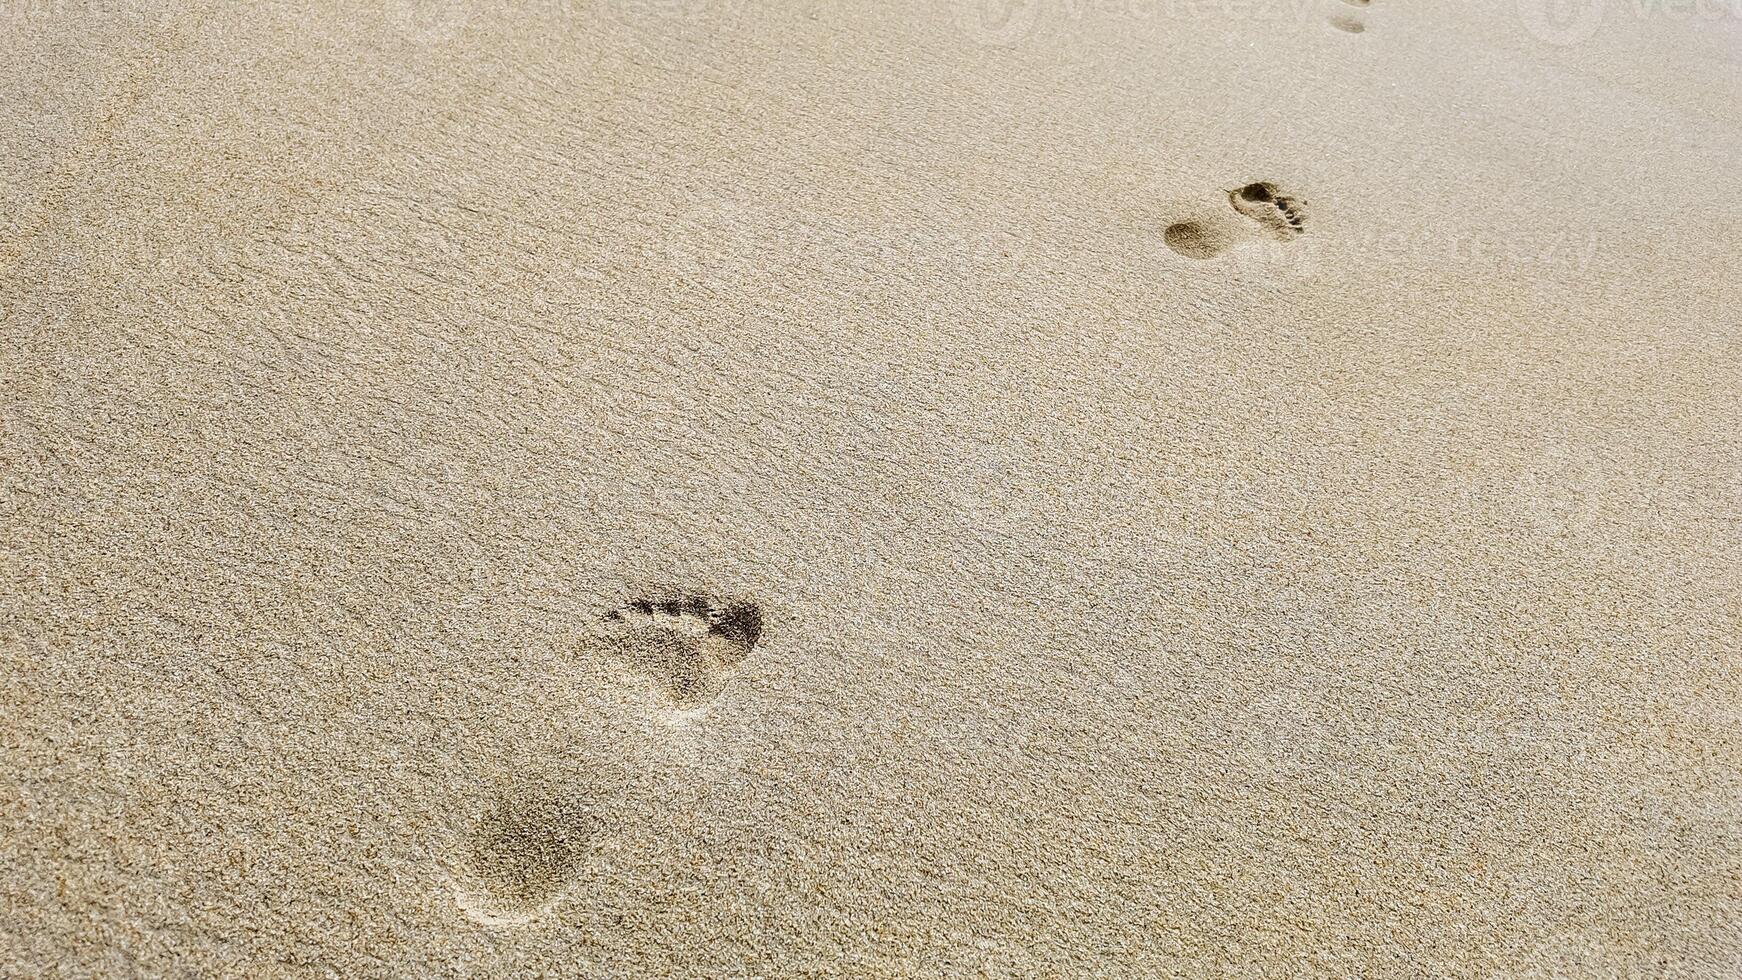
1197	239
524	852
1265	203
1347	23
1260	210
688	645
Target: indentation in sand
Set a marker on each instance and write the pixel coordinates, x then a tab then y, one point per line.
1195	240
523	854
688	645
1262	210
1264	202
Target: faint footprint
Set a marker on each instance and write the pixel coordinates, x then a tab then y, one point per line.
1348	23
524	852
1260	210
688	645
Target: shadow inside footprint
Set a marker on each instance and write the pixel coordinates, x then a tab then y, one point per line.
1347	24
689	645
524	852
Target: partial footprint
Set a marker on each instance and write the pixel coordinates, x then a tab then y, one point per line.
524	852
689	646
1260	210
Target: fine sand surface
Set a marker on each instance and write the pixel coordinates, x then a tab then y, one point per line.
723	487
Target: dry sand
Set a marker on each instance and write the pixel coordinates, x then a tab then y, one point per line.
1357	594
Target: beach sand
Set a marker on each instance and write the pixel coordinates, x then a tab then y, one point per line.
404	411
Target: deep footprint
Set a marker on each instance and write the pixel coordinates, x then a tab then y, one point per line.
1262	201
690	646
523	853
